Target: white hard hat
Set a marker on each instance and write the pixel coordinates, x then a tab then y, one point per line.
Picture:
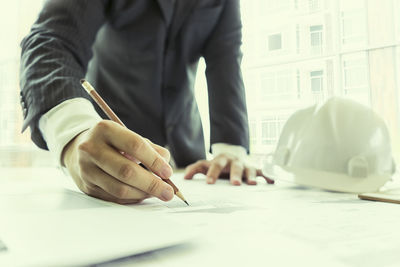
340	145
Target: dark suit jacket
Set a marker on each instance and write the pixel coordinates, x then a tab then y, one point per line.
144	68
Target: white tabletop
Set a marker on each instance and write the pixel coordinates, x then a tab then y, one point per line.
263	225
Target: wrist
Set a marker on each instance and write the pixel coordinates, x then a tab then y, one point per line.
66	154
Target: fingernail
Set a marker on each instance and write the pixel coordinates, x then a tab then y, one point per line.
166	172
252	182
209	180
167	193
236	182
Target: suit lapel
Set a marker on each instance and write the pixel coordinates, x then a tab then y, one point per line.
167	9
182	11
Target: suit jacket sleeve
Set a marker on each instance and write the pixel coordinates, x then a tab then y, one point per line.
227	101
55	55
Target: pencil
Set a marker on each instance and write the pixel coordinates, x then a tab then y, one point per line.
108	111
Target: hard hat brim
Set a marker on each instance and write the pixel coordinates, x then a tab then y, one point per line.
326	180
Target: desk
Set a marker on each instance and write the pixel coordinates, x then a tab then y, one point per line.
263	225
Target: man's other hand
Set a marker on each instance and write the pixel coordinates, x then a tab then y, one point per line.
223	166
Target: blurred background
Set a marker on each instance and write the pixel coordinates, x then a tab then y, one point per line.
296	53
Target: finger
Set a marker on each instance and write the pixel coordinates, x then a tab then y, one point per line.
217	165
161	150
236	172
130	173
112	186
131	158
136	146
269	180
97	192
200	166
250	175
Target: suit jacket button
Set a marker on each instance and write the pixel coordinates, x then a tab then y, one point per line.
24	111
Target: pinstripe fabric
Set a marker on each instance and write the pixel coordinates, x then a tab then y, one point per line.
143	70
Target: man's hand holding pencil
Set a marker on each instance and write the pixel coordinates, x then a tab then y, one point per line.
103	161
100	170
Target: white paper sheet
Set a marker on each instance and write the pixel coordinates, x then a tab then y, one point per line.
53	226
271	225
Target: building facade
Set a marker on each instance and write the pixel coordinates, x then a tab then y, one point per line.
302	52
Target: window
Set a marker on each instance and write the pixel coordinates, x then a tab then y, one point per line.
316	39
317	86
314	5
276	85
355	78
274	42
271	128
316	81
268	86
269	6
353	26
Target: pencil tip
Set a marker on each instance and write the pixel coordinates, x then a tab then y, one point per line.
186	203
82	81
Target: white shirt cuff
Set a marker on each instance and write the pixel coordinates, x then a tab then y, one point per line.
234	150
65	121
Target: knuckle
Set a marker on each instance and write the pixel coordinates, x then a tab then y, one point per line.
84	147
156	163
136	147
126	172
87	148
164	153
219	165
203	162
153	186
122	192
102	126
203	168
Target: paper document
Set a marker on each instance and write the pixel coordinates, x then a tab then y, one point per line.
269	224
69	229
